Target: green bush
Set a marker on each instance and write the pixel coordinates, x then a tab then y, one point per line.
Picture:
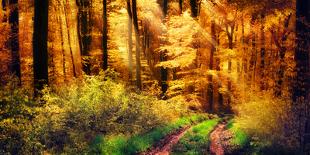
17	109
79	111
68	117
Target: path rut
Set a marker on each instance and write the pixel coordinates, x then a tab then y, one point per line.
216	147
164	146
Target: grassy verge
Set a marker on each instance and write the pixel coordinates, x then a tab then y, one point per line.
196	141
240	138
120	145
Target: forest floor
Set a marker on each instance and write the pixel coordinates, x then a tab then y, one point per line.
164	146
215	138
220	141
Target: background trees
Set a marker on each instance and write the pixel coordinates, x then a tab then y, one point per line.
214	54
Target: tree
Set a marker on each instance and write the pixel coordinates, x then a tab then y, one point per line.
301	94
181	6
63	42
194	8
136	27
105	36
25	39
280	44
14	43
262	52
40	56
129	38
84	30
212	51
163	57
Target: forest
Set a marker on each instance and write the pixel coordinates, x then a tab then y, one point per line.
155	77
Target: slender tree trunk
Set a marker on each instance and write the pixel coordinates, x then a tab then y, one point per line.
40	56
230	36
14	42
210	85
25	31
129	39
163	57
194	8
68	22
280	43
105	36
262	53
84	31
251	73
181	6
218	68
244	59
136	27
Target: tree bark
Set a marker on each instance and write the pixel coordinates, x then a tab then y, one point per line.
105	36
136	27
84	31
230	36
280	43
262	53
194	8
301	92
163	57
13	41
210	85
25	35
129	39
40	56
181	6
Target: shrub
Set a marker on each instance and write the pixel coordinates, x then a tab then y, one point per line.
17	110
268	119
77	112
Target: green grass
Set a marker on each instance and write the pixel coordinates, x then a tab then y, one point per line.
240	138
120	145
196	141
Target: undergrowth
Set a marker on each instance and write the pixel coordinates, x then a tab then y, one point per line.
121	145
69	116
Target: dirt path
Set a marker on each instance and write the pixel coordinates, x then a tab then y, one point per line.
216	147
165	145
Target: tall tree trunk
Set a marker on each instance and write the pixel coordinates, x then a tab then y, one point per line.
181	6
280	43
251	73
210	85
194	8
230	36
14	43
63	38
105	36
40	56
136	27
25	39
262	53
218	68
84	31
163	57
301	94
129	39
